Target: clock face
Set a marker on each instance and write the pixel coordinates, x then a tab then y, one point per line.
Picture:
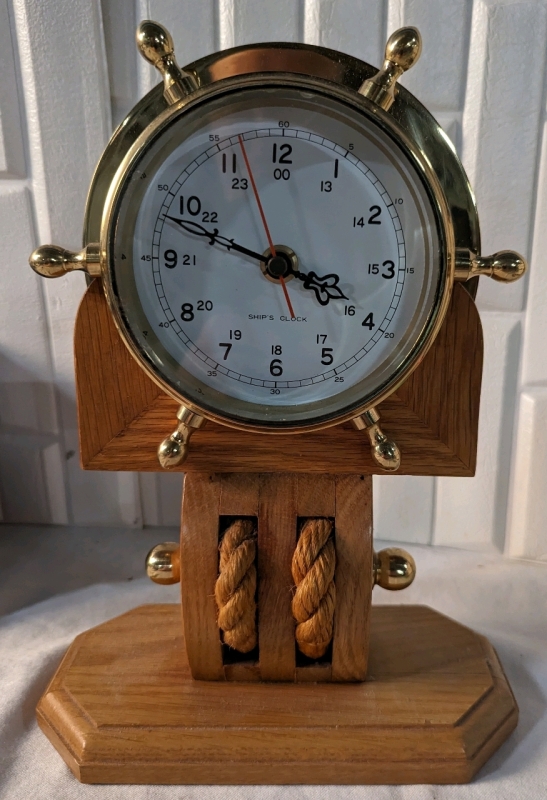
276	257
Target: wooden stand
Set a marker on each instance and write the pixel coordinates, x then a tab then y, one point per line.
123	708
151	698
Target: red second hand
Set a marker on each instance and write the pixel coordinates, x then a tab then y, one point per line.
263	217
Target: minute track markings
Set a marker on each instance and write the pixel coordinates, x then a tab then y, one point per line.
301	135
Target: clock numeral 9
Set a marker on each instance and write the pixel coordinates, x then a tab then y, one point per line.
171	259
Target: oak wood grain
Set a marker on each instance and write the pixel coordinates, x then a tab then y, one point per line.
316	495
353	577
199	535
433	417
122	708
239	494
276	543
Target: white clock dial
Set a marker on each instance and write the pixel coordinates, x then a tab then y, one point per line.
284	254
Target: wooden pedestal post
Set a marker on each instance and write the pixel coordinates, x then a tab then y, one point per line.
152	698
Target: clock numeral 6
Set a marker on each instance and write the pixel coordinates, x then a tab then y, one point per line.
276	367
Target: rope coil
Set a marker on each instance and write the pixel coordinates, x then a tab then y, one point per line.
314	600
235	588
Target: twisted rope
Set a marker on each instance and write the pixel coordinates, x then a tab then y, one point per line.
313	565
235	588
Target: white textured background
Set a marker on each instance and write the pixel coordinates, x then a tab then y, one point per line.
69	72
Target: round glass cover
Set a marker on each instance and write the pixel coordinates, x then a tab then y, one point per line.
277	256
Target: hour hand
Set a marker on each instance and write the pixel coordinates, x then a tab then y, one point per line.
325	288
215	238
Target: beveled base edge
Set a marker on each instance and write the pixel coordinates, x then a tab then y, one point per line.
465	745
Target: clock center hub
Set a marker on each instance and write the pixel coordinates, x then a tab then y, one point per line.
283	265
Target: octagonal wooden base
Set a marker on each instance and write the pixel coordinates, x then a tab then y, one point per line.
123	708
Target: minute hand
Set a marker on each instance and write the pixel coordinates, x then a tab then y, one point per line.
215	238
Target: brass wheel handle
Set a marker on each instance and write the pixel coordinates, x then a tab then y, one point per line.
52	261
403	49
155	45
384	450
505	266
173	451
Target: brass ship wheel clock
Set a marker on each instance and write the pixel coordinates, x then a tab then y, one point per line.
281	237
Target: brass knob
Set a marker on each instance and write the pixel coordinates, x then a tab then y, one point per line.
163	563
154	41
394	569
173	451
155	44
52	261
403	49
384	450
505	266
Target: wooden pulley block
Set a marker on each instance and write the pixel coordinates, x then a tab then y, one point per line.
309	539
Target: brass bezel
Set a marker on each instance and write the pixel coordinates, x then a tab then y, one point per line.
135	141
